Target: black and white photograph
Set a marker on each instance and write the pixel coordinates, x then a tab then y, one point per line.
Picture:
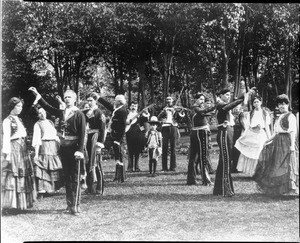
149	121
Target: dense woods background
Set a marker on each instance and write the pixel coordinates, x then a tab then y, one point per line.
148	50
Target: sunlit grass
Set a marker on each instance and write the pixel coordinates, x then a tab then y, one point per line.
160	208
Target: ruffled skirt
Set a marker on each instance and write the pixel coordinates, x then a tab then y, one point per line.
48	167
277	171
18	187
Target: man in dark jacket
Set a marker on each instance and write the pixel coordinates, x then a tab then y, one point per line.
170	115
95	120
116	131
72	129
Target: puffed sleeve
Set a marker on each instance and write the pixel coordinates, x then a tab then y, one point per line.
292	129
6	136
268	119
37	135
292	123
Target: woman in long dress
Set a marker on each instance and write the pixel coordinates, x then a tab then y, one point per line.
18	187
277	171
47	163
251	142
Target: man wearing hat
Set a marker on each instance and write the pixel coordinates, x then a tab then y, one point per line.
154	143
169	116
223	181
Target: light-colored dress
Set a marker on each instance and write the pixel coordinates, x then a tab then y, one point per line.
18	187
48	166
277	171
251	142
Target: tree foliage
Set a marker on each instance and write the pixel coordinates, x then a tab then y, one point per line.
150	50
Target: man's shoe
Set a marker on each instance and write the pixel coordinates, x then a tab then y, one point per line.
74	211
68	209
173	169
191	183
137	170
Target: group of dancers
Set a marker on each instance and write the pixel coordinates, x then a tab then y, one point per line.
71	152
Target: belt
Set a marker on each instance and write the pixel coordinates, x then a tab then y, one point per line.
168	125
69	137
92	131
221	126
206	127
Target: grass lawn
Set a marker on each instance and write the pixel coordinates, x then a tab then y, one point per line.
160	208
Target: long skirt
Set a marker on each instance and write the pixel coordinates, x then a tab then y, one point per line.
277	171
247	165
48	167
18	187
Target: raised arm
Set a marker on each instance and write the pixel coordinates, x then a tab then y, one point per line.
52	110
106	104
201	111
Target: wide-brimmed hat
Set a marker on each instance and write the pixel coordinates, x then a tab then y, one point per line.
154	120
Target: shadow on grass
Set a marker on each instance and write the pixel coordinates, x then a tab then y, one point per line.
176	197
11	212
255	197
242	178
175	182
110	175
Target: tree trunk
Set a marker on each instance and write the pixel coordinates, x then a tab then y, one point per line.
288	83
121	75
212	78
58	80
239	60
224	55
168	61
142	80
116	84
129	90
151	81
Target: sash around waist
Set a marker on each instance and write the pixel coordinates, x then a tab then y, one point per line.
15	139
92	131
205	127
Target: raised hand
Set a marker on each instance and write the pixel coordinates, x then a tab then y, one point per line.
59	99
34	90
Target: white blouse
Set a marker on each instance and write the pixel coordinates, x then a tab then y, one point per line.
20	133
50	132
258	119
153	141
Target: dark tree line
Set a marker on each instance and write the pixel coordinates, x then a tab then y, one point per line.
149	50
